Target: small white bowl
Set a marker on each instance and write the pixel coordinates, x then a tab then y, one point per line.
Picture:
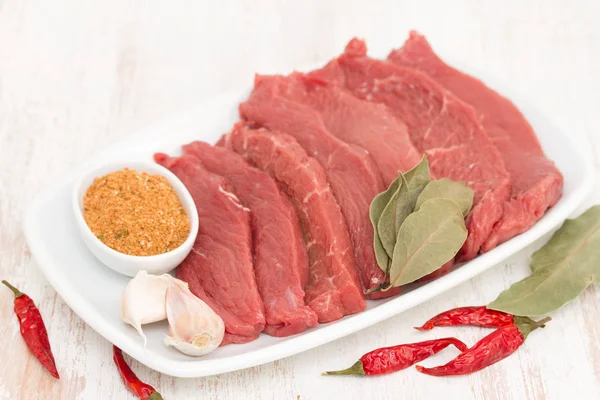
123	263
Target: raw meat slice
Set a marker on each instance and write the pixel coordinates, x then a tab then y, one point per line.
352	174
280	260
536	183
441	125
333	288
369	125
219	267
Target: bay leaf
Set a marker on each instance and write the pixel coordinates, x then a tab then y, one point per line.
382	257
375	210
381	200
402	203
445	188
427	239
417	178
561	270
386	227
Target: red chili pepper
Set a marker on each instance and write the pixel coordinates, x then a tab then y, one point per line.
33	329
395	358
478	316
133	383
494	347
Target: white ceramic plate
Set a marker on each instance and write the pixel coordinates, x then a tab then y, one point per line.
93	290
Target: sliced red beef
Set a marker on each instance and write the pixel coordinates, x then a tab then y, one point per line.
441	125
351	172
333	288
536	183
369	125
280	260
219	267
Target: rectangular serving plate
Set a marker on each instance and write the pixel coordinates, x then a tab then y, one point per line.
93	291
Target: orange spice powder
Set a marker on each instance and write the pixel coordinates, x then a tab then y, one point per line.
136	213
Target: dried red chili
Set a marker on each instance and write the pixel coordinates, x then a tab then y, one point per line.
494	347
133	383
391	359
478	316
33	329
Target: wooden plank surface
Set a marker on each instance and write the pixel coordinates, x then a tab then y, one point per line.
78	75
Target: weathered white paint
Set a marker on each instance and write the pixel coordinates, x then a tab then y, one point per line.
75	76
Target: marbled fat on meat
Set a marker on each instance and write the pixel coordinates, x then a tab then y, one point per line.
369	125
351	172
536	182
442	126
280	260
219	267
333	288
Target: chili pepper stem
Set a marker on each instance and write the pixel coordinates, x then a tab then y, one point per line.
16	291
155	396
542	323
356	369
527	325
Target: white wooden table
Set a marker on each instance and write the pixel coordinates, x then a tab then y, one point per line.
76	76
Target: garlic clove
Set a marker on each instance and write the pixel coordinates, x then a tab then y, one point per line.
143	300
194	328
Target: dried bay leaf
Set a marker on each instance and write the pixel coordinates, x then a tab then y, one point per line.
387	228
427	239
402	203
561	270
380	201
404	206
382	257
445	188
375	210
417	178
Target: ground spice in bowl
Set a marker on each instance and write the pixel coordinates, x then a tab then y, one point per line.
136	213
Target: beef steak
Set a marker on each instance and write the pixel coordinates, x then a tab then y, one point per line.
219	267
441	126
536	183
333	288
280	260
351	172
369	125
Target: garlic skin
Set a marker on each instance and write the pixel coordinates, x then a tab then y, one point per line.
194	328
143	300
